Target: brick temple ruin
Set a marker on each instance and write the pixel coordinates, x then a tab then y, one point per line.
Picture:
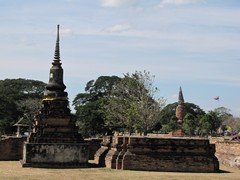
180	114
176	153
54	140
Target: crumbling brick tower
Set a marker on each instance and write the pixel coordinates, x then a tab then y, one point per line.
180	114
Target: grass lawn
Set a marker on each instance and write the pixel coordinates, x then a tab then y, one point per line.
13	170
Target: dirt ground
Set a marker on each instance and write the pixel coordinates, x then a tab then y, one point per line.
13	170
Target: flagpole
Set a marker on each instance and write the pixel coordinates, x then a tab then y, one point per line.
217	99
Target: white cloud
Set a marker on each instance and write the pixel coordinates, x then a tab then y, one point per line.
117	3
174	96
66	31
177	2
118	28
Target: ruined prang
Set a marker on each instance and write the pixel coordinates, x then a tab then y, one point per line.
180	114
180	109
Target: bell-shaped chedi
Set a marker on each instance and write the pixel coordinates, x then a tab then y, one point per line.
54	140
55	87
55	123
180	109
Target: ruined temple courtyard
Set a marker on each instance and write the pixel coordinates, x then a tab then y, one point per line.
13	170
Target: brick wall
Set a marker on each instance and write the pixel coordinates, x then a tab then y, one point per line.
11	148
162	154
94	145
228	153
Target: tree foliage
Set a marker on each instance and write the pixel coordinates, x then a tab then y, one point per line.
223	113
168	114
209	123
133	104
88	105
232	124
18	96
190	124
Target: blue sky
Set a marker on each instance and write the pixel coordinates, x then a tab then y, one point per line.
190	43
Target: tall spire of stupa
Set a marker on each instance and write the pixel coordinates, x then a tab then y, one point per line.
55	87
180	96
57	49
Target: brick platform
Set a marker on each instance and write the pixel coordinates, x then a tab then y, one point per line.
162	154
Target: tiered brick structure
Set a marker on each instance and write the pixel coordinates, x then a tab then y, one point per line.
162	154
54	141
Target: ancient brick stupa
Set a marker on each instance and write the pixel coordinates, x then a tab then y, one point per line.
180	114
55	141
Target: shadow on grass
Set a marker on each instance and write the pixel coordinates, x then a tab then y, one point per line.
223	171
93	165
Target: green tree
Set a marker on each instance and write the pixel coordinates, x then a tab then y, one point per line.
8	112
19	89
210	123
232	124
15	98
223	113
170	126
133	103
190	124
204	125
89	105
169	112
29	106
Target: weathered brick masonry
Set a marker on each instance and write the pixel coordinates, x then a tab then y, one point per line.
162	154
11	148
99	157
228	153
94	145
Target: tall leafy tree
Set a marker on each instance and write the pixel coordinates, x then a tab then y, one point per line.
18	97
89	105
209	123
223	113
133	103
190	124
8	111
204	125
19	89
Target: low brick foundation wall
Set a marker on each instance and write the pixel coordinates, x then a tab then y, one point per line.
50	155
11	148
228	153
162	154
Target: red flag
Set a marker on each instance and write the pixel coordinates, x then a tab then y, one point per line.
216	98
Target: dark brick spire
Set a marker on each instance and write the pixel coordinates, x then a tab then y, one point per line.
57	49
55	87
